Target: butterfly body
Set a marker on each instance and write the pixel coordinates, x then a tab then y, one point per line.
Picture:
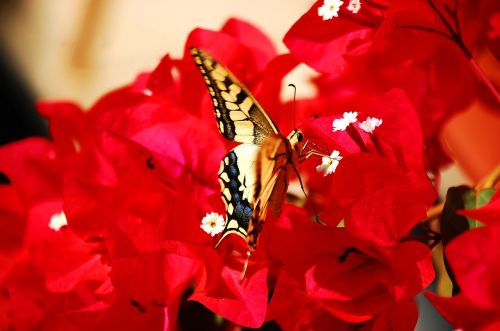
254	175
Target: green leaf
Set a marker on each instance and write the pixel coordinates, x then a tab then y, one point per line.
474	200
453	224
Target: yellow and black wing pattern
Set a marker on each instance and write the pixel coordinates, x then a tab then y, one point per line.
253	175
238	114
238	183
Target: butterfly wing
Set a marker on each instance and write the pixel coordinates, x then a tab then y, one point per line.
238	182
254	175
253	180
239	116
271	172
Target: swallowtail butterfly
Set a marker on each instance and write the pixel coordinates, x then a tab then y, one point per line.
253	175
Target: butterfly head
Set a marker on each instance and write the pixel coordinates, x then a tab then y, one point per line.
296	139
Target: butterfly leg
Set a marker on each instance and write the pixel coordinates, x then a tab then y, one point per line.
300	179
314	150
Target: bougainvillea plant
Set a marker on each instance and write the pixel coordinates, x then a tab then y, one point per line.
113	222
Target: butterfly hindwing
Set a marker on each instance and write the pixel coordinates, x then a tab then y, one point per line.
239	116
253	180
238	181
271	185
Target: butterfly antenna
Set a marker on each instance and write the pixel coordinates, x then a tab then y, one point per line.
294	97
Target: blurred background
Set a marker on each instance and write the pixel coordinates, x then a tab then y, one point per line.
77	50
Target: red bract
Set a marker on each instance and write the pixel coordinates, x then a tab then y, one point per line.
53	272
371	190
400	139
137	172
12	219
33	168
131	166
245	301
64	259
403	44
389	32
67	125
488	214
461	313
473	257
292	309
376	197
352	280
155	153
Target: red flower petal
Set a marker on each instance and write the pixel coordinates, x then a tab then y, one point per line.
461	312
31	165
64	259
385	216
246	305
66	122
473	257
322	44
488	213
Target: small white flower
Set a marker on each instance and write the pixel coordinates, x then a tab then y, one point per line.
330	9
341	124
329	163
57	221
351	116
213	223
370	124
354	6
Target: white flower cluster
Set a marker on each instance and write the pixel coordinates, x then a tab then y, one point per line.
341	124
330	8
330	163
367	125
370	124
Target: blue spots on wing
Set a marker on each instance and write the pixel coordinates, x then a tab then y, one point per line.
242	211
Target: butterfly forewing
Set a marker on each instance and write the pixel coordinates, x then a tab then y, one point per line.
238	114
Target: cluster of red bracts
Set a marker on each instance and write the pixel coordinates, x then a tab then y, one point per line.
101	224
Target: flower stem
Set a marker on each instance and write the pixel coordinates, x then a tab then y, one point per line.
490	180
477	69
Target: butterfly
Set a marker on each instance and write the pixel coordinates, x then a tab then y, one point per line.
254	176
